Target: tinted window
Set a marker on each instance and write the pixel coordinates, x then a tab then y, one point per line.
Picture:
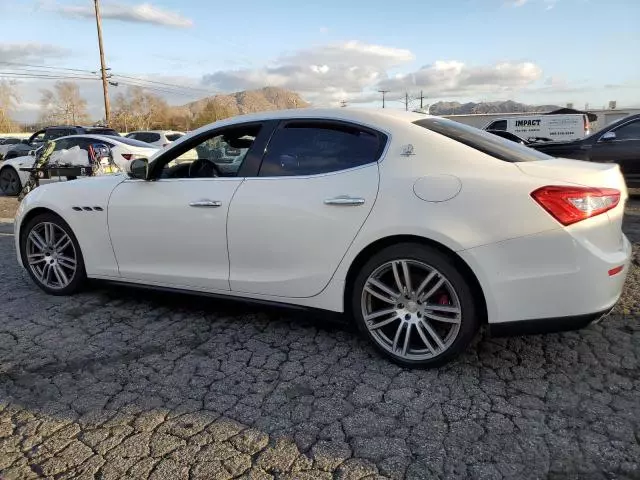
172	137
498	125
310	148
485	142
11	141
54	133
630	131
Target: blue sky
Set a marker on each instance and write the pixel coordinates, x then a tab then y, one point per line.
534	51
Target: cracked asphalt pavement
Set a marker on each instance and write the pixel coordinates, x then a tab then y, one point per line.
120	383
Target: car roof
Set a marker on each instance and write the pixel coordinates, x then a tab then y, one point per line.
381	117
104	138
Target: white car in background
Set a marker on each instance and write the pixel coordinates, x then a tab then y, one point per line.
421	229
160	138
7	144
123	150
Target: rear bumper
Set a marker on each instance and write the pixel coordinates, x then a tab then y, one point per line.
546	325
554	279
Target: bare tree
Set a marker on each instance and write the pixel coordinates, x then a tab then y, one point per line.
139	110
9	100
64	104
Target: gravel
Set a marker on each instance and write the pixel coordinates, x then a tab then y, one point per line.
121	383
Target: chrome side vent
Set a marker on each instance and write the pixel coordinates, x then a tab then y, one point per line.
88	209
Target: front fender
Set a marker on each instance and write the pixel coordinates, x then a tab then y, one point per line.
83	205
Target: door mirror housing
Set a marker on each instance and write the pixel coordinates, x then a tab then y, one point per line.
607	137
138	168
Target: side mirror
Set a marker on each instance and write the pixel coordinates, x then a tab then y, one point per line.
607	137
138	168
32	153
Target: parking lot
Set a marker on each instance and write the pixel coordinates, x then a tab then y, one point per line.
123	383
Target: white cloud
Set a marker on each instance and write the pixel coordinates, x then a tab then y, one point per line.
354	71
518	3
323	74
142	13
29	52
454	78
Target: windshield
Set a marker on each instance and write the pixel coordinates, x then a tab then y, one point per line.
485	142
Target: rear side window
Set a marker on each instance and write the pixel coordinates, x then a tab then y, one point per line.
485	142
172	137
104	131
311	148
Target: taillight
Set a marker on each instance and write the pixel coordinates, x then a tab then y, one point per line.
572	204
131	156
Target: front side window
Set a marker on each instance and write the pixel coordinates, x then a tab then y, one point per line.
172	137
218	154
498	125
311	148
630	131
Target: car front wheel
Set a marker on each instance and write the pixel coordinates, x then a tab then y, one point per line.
51	254
415	305
9	182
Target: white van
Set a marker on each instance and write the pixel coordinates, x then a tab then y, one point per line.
552	127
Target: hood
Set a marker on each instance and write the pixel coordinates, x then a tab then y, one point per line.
87	190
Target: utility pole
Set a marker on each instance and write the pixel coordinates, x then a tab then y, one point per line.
105	84
406	101
343	103
383	92
421	99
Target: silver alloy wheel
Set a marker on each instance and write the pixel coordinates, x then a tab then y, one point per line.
51	255
411	309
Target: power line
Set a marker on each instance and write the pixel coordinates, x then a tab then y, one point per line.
46	67
27	75
186	87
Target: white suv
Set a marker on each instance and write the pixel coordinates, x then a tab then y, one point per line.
160	138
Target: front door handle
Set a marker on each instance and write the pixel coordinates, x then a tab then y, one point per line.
206	203
344	200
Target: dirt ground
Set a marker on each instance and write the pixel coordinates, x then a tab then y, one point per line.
8	206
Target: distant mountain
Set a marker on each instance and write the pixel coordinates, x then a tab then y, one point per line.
248	101
457	108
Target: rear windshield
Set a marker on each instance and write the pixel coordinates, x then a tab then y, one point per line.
134	143
172	137
485	142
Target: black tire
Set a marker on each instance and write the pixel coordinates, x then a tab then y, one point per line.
469	319
79	278
10	183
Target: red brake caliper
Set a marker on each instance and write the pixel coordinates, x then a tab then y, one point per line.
443	299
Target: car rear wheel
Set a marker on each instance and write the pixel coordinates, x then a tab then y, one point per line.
51	254
9	182
415	305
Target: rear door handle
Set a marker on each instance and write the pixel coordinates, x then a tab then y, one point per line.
206	203
344	200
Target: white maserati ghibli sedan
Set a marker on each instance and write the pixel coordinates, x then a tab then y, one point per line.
418	228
